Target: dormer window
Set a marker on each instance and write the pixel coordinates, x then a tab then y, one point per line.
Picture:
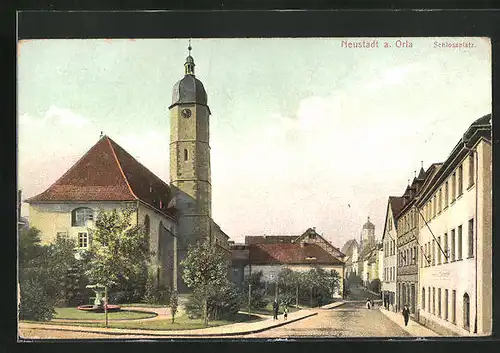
310	258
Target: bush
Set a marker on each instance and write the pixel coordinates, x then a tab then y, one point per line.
35	305
225	303
375	285
258	289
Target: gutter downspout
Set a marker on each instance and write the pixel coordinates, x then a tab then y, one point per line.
475	235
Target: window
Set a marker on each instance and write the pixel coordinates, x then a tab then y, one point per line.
453	186
446	252
453	306
435	207
185	154
466	311
440	200
429	300
439	251
433	300
433	252
452	249
471	238
80	216
460	180
423	298
415	254
439	302
146	225
83	240
446	304
446	199
471	169
459	243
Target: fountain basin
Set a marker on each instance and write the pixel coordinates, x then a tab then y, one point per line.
99	309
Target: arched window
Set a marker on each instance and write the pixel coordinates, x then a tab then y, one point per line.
423	298
466	311
146	224
79	216
160	242
185	154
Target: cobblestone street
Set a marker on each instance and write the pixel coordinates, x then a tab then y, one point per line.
349	320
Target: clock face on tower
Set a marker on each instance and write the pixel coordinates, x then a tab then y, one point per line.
186	113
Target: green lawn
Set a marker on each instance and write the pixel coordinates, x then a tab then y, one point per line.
144	305
75	314
181	323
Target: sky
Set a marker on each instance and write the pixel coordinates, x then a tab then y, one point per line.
305	132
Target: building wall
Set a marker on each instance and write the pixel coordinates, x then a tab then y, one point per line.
51	218
163	245
390	257
460	274
270	272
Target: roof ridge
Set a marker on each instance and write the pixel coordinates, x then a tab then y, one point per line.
138	162
120	167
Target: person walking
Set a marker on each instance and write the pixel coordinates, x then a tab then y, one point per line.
406	314
368	304
285	313
275	309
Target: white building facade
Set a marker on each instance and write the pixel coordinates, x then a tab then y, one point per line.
455	231
389	268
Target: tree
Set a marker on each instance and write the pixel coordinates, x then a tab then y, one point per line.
119	251
257	293
288	284
38	287
205	270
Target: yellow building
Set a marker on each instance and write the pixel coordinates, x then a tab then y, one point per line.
106	178
455	231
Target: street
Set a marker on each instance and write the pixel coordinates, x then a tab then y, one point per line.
349	320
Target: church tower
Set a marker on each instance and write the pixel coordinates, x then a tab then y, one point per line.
190	158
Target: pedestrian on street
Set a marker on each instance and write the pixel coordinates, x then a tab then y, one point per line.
371	304
275	309
406	314
368	304
285	313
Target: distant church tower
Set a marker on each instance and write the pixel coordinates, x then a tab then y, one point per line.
368	233
190	158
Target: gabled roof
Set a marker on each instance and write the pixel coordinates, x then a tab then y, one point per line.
348	246
290	253
108	173
269	239
397	204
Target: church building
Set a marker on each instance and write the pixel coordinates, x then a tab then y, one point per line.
107	177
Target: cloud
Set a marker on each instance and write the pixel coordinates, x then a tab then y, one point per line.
65	116
393	76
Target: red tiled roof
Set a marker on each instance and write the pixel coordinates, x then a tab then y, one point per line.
269	239
290	253
107	173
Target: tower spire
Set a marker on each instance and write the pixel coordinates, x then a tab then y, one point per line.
189	65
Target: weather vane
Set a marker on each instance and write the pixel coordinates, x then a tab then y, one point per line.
189	47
